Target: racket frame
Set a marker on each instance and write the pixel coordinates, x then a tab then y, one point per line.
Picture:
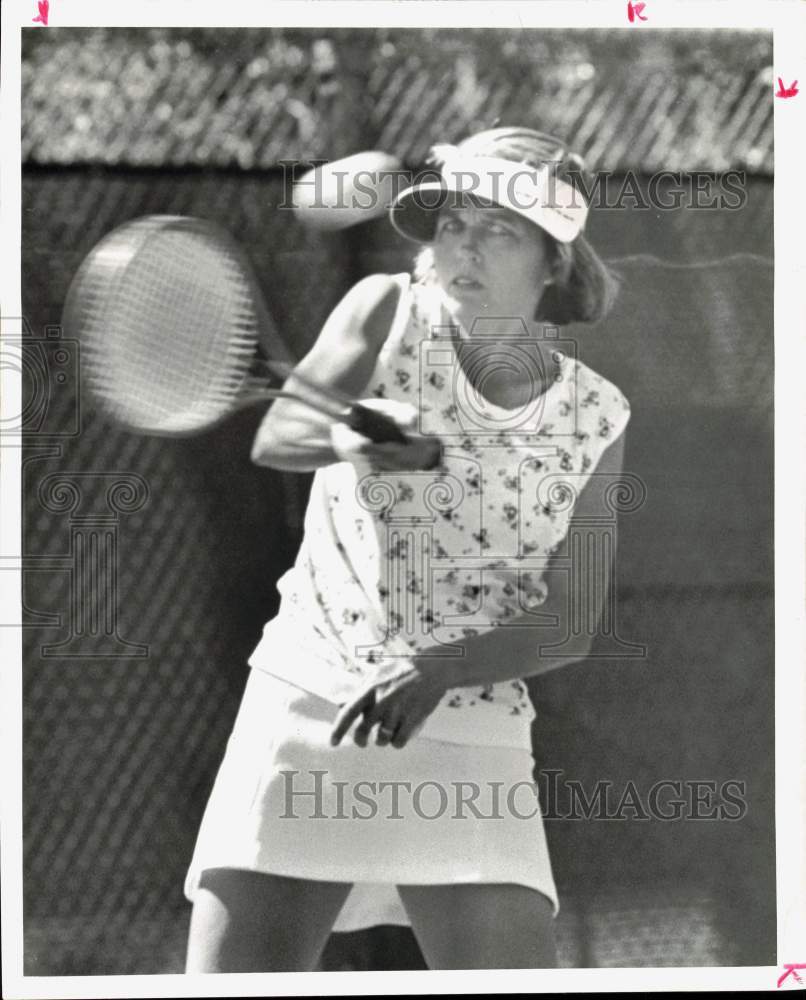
103	269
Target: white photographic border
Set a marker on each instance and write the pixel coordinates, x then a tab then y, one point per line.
787	20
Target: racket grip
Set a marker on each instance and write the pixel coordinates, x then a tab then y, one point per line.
374	425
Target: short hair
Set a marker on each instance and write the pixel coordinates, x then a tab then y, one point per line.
585	288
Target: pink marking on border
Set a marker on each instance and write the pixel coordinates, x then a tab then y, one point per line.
44	10
786	91
634	10
791	970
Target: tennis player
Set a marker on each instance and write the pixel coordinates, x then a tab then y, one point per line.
382	749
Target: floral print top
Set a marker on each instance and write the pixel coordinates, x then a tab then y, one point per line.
394	563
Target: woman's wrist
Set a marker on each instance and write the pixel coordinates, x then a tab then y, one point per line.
442	669
483	659
438	461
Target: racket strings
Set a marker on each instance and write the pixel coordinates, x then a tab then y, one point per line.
168	313
171	344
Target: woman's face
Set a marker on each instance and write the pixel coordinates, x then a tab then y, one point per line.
490	262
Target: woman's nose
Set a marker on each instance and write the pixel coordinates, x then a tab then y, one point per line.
470	246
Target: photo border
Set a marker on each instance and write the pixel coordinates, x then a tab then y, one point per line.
787	20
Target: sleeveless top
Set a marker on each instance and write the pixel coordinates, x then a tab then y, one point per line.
393	563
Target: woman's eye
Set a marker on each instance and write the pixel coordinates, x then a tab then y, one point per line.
451	225
497	230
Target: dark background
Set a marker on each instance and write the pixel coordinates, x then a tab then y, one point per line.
120	750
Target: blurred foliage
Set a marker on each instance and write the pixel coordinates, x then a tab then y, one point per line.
683	48
232	97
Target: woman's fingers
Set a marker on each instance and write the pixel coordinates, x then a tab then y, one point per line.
404	733
348	714
409	727
388	722
387	730
388	725
395	707
362	730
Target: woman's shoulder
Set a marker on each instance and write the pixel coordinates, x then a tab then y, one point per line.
375	289
592	382
373	301
601	404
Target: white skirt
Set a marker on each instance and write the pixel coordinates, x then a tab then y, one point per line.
286	802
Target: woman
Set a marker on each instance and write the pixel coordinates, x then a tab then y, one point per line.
411	614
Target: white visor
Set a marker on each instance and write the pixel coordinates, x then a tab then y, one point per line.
534	193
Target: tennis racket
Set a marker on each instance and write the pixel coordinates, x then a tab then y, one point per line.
171	323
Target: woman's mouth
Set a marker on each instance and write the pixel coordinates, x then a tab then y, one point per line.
466	283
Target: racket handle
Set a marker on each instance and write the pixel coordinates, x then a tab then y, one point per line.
374	425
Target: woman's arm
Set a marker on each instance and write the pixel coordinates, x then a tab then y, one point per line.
295	437
482	662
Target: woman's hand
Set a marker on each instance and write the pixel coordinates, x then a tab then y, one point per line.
398	707
420	451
